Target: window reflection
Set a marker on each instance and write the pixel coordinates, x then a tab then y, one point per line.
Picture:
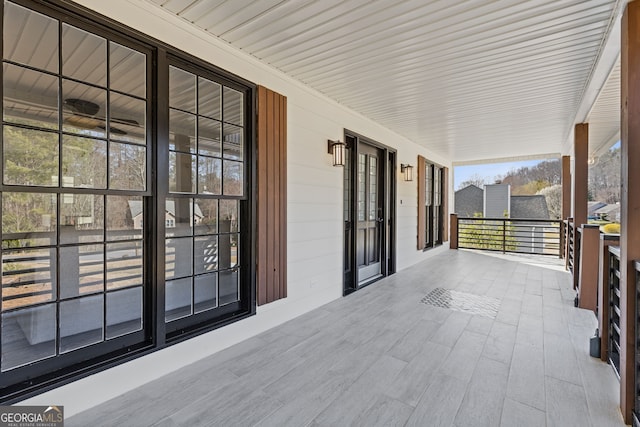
28	219
30	97
128	70
30	157
84	55
28	277
81	218
38	52
84	162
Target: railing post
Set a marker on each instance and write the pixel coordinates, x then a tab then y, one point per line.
561	248
453	230
504	236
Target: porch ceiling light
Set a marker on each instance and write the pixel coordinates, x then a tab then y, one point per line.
407	170
337	150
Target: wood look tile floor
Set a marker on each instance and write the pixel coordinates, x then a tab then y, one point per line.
380	357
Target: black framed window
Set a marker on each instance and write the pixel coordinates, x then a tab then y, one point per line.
207	195
75	173
125	196
432	212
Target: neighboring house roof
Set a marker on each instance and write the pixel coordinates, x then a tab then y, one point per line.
529	207
592	207
608	210
135	206
468	201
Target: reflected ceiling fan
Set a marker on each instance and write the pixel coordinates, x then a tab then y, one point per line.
84	117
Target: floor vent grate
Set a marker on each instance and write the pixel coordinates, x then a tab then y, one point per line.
463	301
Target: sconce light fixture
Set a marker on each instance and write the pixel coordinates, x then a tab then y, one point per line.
337	150
407	170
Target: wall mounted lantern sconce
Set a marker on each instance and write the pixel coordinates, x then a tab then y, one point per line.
407	170
337	150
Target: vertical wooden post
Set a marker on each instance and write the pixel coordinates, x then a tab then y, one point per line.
445	203
566	202
453	241
580	190
629	200
581	173
566	187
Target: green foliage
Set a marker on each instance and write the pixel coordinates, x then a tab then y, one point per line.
487	234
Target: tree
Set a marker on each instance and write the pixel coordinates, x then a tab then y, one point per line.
475	179
604	177
553	196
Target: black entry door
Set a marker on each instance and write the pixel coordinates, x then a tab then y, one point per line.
370	213
369	210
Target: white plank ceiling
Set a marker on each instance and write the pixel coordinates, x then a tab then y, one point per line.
470	80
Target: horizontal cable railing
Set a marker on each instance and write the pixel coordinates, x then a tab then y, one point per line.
526	236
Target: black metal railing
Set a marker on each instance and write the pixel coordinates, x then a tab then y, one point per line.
614	308
526	236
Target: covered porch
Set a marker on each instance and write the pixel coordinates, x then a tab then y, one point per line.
386	356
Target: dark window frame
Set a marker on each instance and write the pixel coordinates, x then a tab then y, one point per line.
434	202
15	386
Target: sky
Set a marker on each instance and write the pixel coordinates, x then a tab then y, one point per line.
488	171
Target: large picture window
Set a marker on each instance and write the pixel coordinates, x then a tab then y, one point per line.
88	273
207	195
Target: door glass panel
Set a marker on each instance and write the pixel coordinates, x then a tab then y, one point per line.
362	177
373	188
